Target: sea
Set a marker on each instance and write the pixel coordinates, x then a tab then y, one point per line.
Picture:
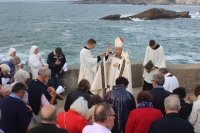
61	24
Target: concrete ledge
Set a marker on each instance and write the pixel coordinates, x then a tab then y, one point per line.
188	75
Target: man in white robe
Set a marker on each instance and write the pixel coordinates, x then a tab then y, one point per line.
88	63
171	81
113	66
155	53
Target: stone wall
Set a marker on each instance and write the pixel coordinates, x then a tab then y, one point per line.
188	75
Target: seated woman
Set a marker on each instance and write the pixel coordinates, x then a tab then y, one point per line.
82	90
94	100
186	108
4	70
140	119
74	119
194	117
22	76
11	53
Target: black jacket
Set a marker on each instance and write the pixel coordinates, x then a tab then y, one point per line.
185	110
75	94
56	69
47	128
159	95
171	123
123	103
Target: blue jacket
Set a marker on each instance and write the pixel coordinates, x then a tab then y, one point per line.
123	103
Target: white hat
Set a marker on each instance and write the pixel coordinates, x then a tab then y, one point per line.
119	42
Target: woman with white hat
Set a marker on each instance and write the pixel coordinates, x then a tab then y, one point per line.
11	53
35	61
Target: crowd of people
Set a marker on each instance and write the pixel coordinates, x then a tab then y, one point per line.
103	101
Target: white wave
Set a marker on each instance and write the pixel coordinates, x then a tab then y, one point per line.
126	15
37	30
137	19
67	34
195	15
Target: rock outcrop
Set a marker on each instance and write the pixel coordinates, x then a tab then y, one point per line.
151	14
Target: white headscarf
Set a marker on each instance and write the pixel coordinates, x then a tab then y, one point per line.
33	48
10	51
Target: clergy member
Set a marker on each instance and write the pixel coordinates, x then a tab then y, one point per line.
88	63
154	53
113	66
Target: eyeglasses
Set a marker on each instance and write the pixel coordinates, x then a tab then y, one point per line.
115	115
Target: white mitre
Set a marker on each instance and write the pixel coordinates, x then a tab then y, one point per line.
119	42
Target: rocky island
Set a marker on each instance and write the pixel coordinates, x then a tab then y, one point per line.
151	14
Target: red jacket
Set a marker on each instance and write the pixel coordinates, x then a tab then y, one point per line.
71	121
140	119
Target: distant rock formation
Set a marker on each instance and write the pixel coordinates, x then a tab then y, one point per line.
151	14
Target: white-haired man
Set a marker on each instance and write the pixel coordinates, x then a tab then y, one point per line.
39	94
104	117
171	122
113	66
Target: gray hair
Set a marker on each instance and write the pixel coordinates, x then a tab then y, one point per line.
172	103
163	70
159	79
21	75
6	88
100	115
44	71
51	115
16	59
80	106
4	68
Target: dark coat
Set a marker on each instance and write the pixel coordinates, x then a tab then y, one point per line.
171	123
15	117
75	94
123	103
159	95
185	110
56	69
47	128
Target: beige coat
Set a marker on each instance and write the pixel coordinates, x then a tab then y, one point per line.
194	117
90	113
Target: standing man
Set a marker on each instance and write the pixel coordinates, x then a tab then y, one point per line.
154	53
171	81
48	121
15	115
88	63
171	122
56	60
158	92
122	102
40	95
114	65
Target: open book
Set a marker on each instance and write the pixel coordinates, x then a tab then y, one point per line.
149	65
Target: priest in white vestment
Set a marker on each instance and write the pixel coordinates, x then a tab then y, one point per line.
155	53
88	63
113	66
171	81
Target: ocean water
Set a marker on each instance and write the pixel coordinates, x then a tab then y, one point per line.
69	26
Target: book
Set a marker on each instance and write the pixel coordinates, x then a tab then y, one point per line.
149	65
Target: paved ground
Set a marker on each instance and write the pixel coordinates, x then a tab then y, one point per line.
61	103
